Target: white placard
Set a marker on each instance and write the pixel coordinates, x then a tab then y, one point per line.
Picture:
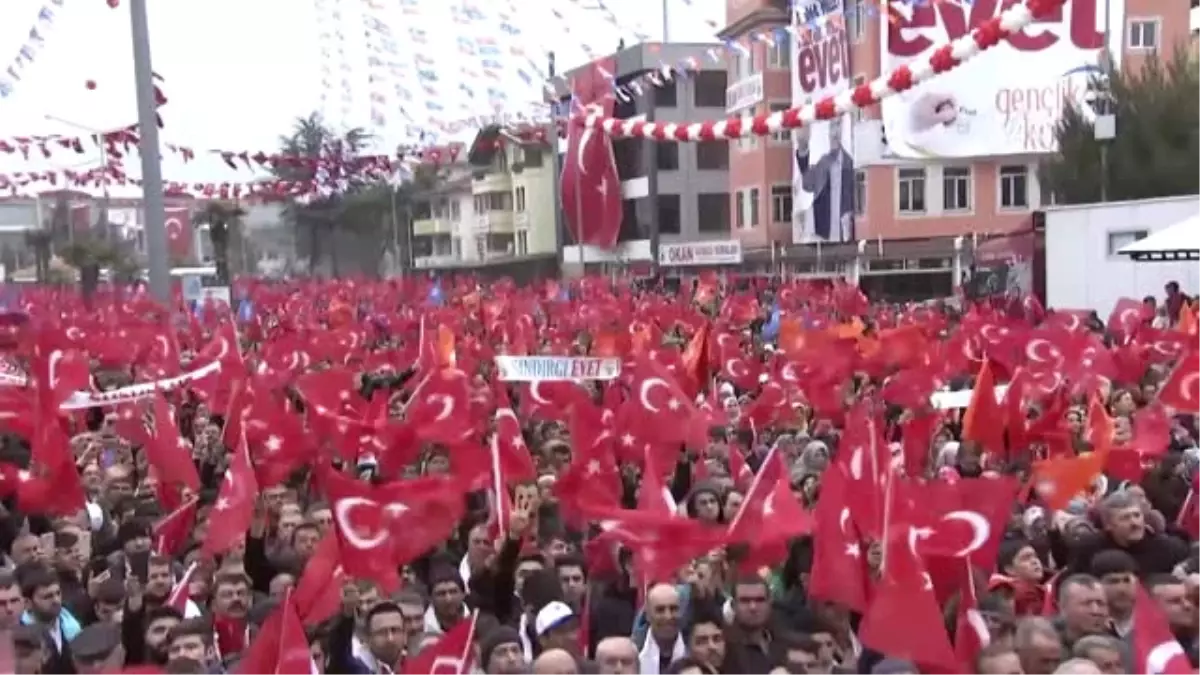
546	368
952	400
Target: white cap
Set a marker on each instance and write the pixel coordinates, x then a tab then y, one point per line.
550	616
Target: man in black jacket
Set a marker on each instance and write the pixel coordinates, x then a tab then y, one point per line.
1124	528
831	182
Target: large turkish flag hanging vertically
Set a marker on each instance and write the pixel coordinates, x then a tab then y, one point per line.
590	186
179	231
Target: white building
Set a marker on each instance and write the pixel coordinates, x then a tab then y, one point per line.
1083	267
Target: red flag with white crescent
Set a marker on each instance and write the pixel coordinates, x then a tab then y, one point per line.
179	231
591	188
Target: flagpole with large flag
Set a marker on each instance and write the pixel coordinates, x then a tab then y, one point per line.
153	206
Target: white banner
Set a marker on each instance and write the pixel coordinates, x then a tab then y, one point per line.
1009	99
701	253
823	182
539	368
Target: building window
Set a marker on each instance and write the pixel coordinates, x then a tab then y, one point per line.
1143	34
752	208
910	190
713	211
522	242
781	203
456	248
856	24
481	246
1119	240
741	63
710	86
519	199
669	218
455	210
1014	187
666	96
531	157
860	192
666	156
784	136
712	156
956	188
493	201
747	143
779	54
739	216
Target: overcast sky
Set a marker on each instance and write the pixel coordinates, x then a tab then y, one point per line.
238	72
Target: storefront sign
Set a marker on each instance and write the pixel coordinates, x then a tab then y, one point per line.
700	253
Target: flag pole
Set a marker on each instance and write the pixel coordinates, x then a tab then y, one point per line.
579	213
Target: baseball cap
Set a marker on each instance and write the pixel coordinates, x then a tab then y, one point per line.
552	616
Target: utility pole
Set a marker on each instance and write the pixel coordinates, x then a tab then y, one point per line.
666	25
153	206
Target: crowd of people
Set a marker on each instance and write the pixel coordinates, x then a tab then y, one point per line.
341	480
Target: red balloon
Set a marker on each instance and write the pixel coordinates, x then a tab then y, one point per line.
91	84
114	3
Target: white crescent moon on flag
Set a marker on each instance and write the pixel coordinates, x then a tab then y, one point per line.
1189	386
979	527
52	367
1161	655
987	329
584	139
342	509
788	373
1033	351
447	404
732	370
535	392
644	394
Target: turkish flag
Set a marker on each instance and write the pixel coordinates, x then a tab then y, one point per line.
591	188
179	231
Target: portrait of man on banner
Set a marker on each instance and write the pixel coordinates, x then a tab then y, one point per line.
825	170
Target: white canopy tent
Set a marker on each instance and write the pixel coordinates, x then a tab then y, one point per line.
1180	241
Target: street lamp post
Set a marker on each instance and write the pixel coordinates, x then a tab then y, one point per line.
153	206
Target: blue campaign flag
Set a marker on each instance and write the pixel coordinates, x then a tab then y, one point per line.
245	311
435	295
770	329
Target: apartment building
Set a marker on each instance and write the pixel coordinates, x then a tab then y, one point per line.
912	211
673	192
493	207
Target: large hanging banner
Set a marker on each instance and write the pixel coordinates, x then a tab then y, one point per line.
823	175
1010	99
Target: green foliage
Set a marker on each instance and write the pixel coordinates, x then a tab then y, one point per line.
40	242
89	253
360	212
1156	152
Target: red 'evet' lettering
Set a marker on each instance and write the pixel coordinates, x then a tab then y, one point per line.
1082	30
822	64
